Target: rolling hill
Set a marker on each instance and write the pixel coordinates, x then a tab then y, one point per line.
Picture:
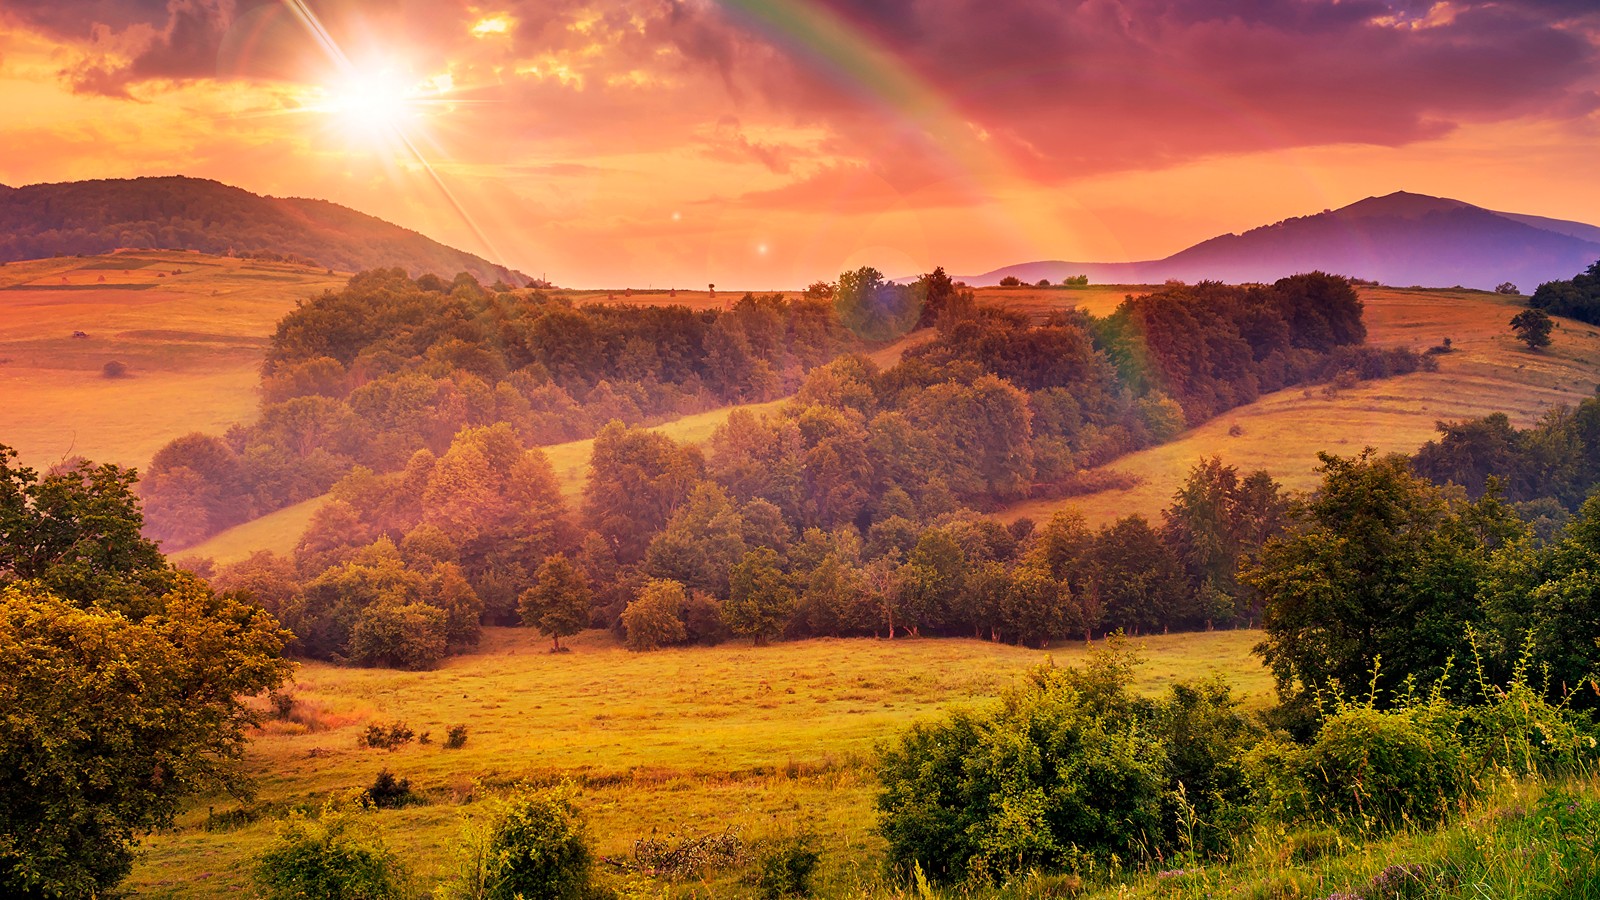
179	213
1400	239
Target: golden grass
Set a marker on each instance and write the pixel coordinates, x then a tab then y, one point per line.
1282	432
694	739
192	342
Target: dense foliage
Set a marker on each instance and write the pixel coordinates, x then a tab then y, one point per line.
1578	298
124	681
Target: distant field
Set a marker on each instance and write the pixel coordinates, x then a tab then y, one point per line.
1282	433
692	740
190	328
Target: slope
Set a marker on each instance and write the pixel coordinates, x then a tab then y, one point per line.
92	217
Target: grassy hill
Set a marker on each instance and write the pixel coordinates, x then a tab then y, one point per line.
100	216
1488	372
692	740
191	330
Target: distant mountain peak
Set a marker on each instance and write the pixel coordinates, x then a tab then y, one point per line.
1401	238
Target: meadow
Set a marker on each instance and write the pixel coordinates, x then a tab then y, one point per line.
190	328
691	741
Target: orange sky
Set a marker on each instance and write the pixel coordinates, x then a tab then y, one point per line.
770	143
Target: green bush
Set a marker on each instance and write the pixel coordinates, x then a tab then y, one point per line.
1062	768
655	619
389	792
786	870
409	636
1369	769
331	858
538	846
455	737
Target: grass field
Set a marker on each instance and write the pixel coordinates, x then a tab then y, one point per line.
1282	432
691	740
190	328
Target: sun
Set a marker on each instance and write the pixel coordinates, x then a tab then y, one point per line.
379	102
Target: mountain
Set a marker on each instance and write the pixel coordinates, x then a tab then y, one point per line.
178	213
1400	239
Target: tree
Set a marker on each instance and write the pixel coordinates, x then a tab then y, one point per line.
558	603
655	618
637	480
411	636
1533	328
760	600
109	723
1506	287
1379	564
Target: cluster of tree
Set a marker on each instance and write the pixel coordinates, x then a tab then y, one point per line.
1381	563
390	365
178	213
1551	466
1578	298
124	685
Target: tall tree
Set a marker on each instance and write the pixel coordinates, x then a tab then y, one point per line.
760	601
558	603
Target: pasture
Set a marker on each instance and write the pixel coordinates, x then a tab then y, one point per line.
692	740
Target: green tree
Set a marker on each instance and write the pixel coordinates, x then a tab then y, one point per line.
411	636
1533	327
760	599
538	846
655	618
107	724
637	480
558	603
1378	564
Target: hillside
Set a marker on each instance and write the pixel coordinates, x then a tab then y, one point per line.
1282	432
191	330
93	217
1399	239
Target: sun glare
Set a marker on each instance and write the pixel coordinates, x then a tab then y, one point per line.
378	102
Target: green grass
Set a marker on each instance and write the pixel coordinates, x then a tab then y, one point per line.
693	740
278	531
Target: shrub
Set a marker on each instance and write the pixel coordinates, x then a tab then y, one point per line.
655	619
538	847
330	857
114	369
1369	769
786	870
388	792
387	737
455	737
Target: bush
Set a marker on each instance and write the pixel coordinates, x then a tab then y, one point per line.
114	369
538	847
655	619
786	870
1369	769
455	737
330	857
387	737
388	792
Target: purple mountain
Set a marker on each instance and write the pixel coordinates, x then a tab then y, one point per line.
1401	239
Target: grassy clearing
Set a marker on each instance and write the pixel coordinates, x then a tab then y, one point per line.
1282	432
192	342
690	740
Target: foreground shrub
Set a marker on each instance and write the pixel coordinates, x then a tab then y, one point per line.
389	792
331	857
1369	769
1061	769
534	844
786	870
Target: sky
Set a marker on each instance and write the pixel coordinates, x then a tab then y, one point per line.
763	144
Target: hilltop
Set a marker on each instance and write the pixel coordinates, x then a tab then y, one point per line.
179	213
1399	239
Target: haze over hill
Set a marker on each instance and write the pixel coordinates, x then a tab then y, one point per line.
180	213
1401	239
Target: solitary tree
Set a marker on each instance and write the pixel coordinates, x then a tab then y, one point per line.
558	603
1533	328
1506	287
